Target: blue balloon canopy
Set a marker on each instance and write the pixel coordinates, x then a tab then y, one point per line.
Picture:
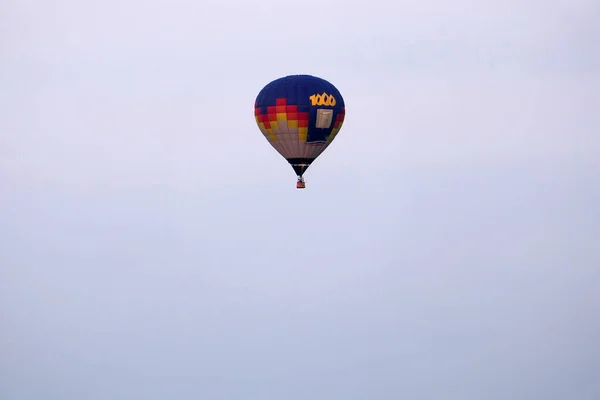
300	115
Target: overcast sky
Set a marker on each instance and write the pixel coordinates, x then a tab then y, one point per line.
153	244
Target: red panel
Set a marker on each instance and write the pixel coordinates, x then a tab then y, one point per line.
292	116
303	123
267	124
272	117
303	116
271	110
291	109
280	109
257	111
281	101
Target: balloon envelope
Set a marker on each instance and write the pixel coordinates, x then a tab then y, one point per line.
300	115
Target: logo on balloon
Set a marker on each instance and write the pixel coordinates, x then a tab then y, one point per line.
323	99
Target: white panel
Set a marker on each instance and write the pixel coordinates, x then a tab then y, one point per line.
324	118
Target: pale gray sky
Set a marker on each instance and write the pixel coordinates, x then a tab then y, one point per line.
153	244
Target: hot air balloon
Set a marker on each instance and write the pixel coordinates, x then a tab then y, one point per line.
299	115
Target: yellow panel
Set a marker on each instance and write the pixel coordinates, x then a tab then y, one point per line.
271	134
302	134
275	125
293	123
281	116
331	136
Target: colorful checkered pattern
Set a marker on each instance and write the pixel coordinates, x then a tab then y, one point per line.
282	118
285	118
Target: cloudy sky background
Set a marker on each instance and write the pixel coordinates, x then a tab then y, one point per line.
153	244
